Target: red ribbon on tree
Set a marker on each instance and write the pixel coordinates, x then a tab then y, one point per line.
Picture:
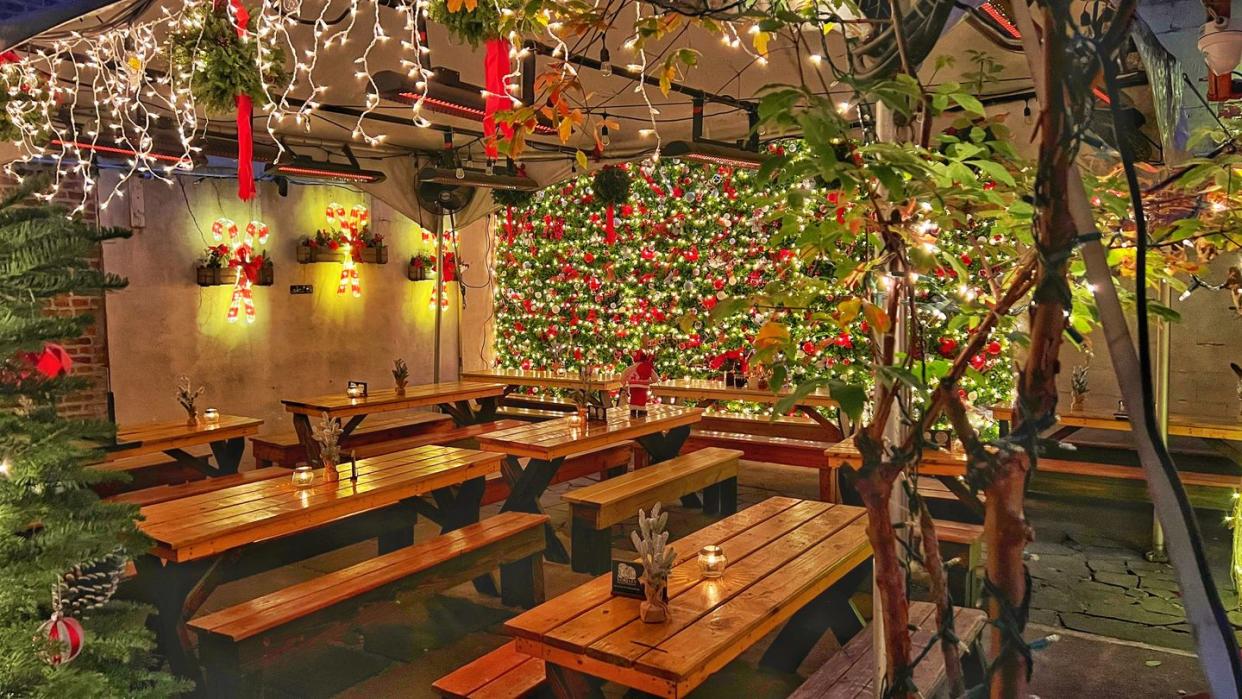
245	109
510	230
610	226
52	362
495	68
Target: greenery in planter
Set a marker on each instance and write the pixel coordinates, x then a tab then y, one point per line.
219	65
335	239
422	266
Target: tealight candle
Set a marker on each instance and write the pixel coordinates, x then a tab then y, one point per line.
303	477
211	415
712	561
354	391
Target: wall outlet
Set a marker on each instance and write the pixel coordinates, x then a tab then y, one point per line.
296	289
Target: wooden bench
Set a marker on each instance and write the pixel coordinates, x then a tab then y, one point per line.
777	450
597	507
1206	490
164	493
235	643
501	674
963	541
850	673
284	449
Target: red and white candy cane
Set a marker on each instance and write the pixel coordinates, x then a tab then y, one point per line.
350	228
242	259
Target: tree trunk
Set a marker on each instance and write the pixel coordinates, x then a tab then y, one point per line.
939	590
890	578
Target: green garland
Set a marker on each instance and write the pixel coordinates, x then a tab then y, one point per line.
512	197
221	65
612	185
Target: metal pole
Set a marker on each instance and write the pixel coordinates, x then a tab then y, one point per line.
1163	331
435	367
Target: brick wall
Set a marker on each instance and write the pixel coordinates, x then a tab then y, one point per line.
89	352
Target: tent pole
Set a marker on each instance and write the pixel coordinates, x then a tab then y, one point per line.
1163	332
439	294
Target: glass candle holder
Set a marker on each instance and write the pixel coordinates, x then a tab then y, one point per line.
303	477
211	416
712	561
354	391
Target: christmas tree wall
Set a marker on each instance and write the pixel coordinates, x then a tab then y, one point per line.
688	240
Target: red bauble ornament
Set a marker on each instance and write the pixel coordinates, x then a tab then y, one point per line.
978	362
52	362
947	346
994	348
67	633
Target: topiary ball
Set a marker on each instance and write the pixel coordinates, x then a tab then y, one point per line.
612	185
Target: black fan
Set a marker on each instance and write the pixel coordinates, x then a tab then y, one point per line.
441	199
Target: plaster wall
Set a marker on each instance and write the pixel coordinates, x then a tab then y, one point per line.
164	325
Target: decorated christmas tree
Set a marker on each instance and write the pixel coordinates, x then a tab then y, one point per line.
62	549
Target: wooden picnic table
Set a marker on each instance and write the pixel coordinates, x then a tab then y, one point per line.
789	560
209	538
541	378
226	436
708	392
661	431
1179	425
453	397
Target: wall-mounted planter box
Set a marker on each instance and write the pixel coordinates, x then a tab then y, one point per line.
227	276
419	273
308	255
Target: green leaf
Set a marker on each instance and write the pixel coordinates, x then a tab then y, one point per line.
994	170
969	102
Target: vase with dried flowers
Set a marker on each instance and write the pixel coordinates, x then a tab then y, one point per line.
1078	388
187	396
651	542
400	375
328	435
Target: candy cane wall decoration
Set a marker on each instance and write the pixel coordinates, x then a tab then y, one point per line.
242	259
351	228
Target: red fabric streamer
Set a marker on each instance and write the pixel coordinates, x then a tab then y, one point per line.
495	68
9	57
52	362
245	110
509	229
610	226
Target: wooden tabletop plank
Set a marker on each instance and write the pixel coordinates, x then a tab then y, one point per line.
388	400
536	622
543	379
711	389
208	515
625	645
212	522
613	613
727	630
561	437
213	503
1179	425
154	437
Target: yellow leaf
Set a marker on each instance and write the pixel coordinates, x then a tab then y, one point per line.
761	42
877	317
848	310
666	83
581	158
565	129
772	334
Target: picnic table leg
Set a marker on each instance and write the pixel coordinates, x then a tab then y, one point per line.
830	611
302	426
526	485
487	409
662	447
403	536
571	684
198	463
351	425
167	587
459	507
228	454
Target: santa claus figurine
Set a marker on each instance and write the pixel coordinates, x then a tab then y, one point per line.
638	377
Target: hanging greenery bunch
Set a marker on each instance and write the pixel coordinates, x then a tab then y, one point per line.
470	21
612	185
218	64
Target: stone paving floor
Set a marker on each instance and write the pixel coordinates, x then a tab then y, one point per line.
1087	567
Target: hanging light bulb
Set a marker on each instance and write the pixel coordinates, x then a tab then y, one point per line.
490	167
605	66
1026	111
460	172
604	138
